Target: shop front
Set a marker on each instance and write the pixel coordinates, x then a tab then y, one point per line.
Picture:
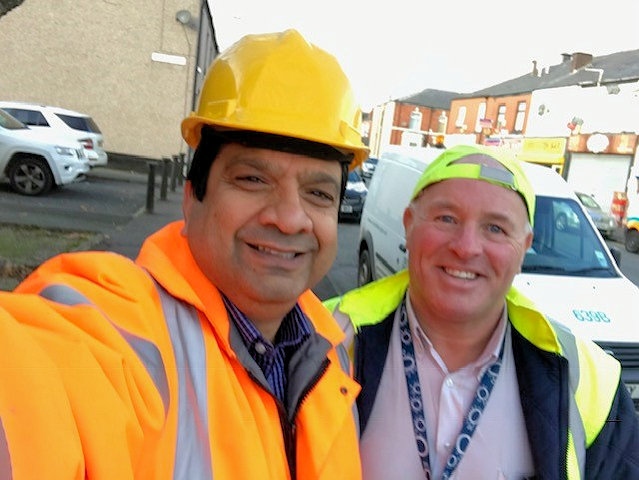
600	164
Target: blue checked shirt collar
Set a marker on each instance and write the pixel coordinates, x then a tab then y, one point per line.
272	358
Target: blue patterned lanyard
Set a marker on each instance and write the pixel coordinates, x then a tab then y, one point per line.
413	386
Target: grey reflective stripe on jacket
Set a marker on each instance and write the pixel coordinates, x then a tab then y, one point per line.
192	452
146	351
192	448
575	423
345	364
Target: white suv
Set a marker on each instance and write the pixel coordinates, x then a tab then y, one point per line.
34	162
68	122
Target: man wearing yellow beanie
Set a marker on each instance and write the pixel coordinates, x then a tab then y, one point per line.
462	377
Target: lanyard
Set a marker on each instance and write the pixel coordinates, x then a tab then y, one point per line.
413	386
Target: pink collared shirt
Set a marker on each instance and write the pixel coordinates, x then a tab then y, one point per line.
499	448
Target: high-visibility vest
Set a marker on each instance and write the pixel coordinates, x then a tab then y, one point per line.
592	394
124	371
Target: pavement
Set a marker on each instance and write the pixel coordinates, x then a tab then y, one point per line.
127	239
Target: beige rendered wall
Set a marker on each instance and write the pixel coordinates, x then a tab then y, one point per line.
94	56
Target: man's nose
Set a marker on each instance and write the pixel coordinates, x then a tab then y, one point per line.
287	211
467	240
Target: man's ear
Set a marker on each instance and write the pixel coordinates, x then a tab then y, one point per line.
408	218
529	240
188	197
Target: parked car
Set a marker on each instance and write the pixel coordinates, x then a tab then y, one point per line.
604	221
68	122
353	202
368	168
33	161
631	225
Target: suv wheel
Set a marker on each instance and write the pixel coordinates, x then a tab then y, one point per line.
632	240
30	176
364	270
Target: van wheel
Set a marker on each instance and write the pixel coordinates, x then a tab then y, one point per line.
632	241
365	270
30	176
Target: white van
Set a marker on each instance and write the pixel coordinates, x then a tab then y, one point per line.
569	271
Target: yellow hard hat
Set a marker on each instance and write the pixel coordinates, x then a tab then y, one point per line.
279	83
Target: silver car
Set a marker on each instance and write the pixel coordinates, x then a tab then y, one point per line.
604	221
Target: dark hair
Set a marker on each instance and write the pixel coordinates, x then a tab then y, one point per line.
212	141
206	151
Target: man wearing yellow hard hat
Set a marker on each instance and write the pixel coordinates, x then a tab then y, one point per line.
208	357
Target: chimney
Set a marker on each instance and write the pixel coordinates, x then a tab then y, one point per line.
580	59
535	72
565	57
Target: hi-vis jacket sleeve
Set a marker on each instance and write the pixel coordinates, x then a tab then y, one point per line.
70	387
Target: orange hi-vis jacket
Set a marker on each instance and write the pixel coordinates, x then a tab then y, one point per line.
117	370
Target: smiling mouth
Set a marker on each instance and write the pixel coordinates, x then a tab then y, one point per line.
460	274
276	253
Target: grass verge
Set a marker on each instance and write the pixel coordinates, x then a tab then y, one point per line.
23	247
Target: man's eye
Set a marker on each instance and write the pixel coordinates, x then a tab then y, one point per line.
249	178
323	195
250	181
492	228
446	219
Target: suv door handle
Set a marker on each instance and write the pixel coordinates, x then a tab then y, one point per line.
402	247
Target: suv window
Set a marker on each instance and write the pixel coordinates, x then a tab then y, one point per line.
86	124
28	117
9	122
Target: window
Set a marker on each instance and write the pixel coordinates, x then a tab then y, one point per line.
501	116
481	114
521	116
564	243
461	117
9	122
86	124
28	117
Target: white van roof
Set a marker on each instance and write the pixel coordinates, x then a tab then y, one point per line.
547	182
423	155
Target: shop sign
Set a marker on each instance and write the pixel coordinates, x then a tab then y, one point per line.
597	142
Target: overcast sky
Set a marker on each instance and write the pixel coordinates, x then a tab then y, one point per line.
404	46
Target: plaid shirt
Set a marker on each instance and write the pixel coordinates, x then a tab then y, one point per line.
272	358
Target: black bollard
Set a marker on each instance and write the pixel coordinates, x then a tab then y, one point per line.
150	188
174	172
180	163
164	185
